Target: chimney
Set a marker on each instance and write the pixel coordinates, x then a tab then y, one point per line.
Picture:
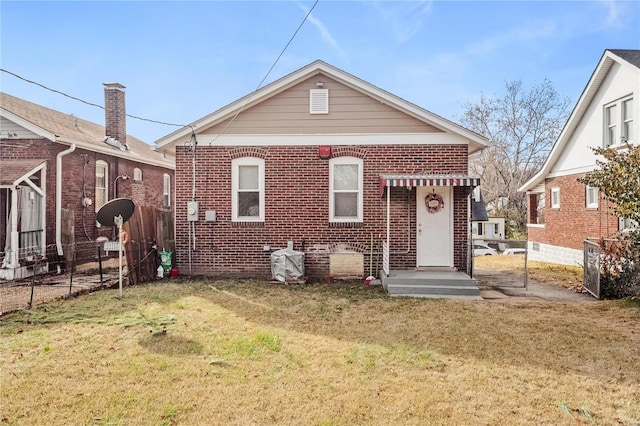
115	113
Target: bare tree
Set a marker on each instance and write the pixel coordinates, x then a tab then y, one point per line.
523	125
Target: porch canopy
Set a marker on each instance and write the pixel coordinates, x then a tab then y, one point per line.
16	171
411	181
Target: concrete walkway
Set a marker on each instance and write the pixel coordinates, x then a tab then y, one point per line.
498	285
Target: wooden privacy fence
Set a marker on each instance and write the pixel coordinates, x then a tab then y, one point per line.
149	230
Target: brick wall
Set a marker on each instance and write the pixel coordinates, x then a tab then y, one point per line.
78	179
296	208
115	111
568	225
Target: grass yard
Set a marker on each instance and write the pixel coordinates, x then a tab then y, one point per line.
247	352
551	273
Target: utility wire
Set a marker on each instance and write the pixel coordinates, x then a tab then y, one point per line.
268	72
175	124
86	102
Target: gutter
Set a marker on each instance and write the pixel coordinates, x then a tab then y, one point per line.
59	196
130	156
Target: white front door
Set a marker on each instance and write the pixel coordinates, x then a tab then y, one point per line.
434	222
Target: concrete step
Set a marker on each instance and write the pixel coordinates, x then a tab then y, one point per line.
432	284
422	290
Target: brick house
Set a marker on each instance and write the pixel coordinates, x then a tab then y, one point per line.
58	170
326	163
562	212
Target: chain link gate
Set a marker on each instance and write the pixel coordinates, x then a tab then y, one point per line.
591	280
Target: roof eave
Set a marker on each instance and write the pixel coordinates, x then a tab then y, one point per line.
167	164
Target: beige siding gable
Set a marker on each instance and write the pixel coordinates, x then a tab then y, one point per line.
350	112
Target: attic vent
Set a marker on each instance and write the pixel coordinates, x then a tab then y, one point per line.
319	101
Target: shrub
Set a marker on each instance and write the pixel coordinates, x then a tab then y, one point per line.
620	268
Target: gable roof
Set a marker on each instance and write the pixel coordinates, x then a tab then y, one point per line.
66	129
476	141
629	55
625	57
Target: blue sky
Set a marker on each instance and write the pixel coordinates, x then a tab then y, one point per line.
182	60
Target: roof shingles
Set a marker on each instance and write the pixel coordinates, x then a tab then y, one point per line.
73	128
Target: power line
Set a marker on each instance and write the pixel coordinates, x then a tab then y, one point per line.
175	124
86	102
268	72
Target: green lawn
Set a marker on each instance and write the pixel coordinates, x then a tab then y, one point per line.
248	352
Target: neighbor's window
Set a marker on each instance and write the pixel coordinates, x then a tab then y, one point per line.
540	204
627	224
137	174
611	132
627	119
480	228
247	185
345	189
591	197
166	190
102	184
618	115
555	198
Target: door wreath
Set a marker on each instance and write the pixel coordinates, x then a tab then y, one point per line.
433	203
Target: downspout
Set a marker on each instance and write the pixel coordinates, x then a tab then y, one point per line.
59	196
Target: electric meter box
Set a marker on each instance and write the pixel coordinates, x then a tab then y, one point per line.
192	211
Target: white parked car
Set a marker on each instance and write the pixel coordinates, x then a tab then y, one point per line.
483	250
514	251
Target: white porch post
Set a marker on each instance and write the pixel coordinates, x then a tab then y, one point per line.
43	206
388	189
15	246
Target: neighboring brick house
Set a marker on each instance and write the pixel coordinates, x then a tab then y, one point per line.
327	163
562	212
57	170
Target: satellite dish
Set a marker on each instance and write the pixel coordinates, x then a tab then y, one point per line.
115	213
108	214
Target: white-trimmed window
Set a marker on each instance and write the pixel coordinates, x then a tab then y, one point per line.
611	130
166	190
626	224
247	185
102	184
591	197
627	119
137	175
618	122
319	101
345	189
555	198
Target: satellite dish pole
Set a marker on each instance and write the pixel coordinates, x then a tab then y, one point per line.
115	213
118	221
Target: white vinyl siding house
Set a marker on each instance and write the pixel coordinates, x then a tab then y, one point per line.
604	116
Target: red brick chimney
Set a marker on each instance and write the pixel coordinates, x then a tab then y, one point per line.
114	112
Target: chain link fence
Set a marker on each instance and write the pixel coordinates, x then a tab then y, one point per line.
501	255
85	266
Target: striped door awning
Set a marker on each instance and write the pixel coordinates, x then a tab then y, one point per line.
411	181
